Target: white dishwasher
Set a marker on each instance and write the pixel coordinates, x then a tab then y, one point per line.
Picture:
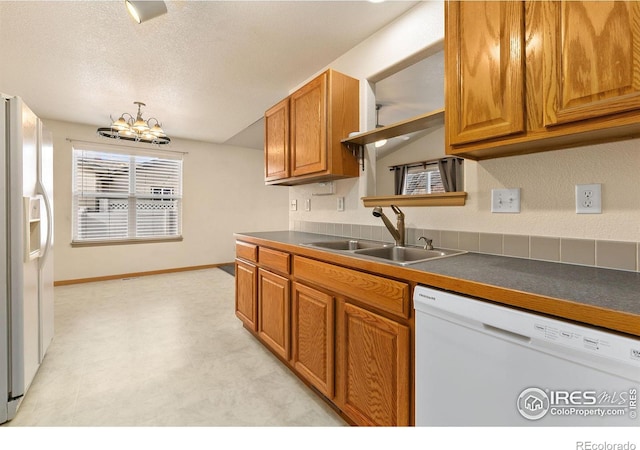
480	364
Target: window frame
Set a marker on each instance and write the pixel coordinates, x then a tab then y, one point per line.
135	220
428	170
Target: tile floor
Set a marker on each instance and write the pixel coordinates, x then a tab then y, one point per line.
164	350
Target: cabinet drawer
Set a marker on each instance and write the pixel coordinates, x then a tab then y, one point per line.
247	251
274	259
388	295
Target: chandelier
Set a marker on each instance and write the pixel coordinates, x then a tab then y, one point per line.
138	129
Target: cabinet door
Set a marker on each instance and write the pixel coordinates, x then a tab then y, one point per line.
374	368
592	59
309	128
273	312
312	326
246	298
484	70
276	142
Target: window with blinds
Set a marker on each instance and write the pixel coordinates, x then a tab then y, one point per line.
122	196
423	180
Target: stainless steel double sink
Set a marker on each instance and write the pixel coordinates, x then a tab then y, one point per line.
380	251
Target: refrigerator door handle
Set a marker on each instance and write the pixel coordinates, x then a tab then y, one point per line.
47	204
40	189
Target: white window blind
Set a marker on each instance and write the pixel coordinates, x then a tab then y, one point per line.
423	180
124	196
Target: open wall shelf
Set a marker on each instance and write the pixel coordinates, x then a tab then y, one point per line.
440	199
418	123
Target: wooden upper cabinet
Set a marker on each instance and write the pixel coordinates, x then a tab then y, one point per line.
309	127
306	147
529	76
592	59
484	70
276	141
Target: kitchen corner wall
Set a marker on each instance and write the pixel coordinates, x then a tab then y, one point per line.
547	228
223	193
547	180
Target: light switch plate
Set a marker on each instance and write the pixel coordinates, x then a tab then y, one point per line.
307	204
505	200
340	204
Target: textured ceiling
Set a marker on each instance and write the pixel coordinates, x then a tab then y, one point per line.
206	69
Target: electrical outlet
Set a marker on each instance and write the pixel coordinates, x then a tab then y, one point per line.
340	203
505	200
588	199
294	205
307	204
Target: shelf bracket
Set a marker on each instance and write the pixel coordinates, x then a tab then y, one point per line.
357	150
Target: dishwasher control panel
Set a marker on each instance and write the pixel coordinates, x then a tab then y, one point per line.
527	325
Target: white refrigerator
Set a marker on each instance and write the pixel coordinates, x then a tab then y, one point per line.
26	250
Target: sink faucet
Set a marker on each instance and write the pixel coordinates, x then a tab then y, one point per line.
397	233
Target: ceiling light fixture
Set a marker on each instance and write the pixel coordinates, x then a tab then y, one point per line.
144	10
138	129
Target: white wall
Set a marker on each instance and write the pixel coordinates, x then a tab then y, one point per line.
223	193
547	180
421	28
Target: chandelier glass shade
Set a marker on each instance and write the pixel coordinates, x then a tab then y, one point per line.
135	129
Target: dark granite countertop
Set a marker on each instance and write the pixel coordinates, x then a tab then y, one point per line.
613	290
610	289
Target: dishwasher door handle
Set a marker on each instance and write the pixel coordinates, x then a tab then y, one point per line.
506	333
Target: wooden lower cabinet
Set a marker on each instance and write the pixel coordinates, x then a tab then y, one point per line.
345	333
246	294
273	312
373	367
312	336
